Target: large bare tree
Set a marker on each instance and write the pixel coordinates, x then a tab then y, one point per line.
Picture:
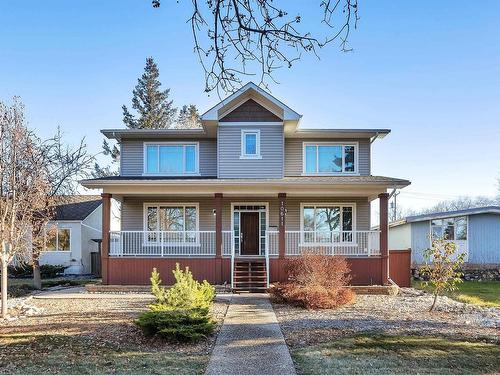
237	38
23	186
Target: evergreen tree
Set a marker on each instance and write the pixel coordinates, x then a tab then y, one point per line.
189	117
154	111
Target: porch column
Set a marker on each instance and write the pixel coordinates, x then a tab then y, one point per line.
384	240
218	237
281	224
106	219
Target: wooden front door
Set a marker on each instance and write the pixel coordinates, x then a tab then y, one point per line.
249	235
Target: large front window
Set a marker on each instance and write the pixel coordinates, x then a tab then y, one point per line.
329	158
171	159
171	223
57	239
452	229
327	223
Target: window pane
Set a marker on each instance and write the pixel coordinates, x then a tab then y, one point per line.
172	218
190	158
437	222
329	158
50	239
152	218
152	159
311	159
250	144
449	232
308	219
64	239
461	232
349	158
437	233
327	219
191	218
171	159
347	218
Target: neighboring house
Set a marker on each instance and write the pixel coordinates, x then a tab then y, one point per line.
69	238
476	232
234	199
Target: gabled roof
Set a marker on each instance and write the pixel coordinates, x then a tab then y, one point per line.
249	91
442	215
76	207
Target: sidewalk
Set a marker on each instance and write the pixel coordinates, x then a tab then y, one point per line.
250	341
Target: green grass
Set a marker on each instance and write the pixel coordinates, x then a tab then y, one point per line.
481	293
382	354
71	355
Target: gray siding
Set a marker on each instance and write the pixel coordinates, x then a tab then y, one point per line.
132	156
420	240
484	238
294	148
132	210
271	150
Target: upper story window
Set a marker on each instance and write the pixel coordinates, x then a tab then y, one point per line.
171	158
57	239
452	228
250	144
330	158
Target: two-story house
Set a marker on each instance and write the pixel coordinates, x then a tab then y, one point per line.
233	199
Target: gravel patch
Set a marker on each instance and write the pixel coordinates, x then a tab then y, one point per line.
406	313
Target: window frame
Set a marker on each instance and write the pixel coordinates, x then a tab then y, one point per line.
243	154
57	227
157	205
343	145
466	217
320	204
159	144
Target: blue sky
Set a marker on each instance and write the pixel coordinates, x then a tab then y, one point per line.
428	70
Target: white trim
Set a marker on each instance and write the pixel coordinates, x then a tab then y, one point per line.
266	204
164	143
328	204
243	154
252	123
343	145
57	227
88	226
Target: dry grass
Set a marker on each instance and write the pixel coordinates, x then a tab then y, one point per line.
91	336
381	354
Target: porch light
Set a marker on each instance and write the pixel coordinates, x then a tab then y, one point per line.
214	211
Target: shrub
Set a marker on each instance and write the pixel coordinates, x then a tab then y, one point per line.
47	271
316	281
186	293
177	325
182	312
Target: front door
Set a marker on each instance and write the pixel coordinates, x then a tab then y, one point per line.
249	235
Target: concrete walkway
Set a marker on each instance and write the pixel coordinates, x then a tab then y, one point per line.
250	341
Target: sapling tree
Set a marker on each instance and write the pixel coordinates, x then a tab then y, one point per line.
441	269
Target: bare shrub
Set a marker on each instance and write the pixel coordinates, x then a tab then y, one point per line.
316	281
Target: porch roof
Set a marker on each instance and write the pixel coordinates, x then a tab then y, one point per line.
369	186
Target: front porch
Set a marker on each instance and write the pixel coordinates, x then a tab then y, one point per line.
216	236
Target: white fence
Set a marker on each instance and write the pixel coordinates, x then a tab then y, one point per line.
202	243
347	243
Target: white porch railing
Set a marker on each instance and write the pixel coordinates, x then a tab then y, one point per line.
202	243
346	243
162	244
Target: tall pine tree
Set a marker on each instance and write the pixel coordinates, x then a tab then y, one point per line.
189	117
153	111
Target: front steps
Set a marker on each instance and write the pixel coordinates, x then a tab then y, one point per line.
250	275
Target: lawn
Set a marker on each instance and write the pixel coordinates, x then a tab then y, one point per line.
375	354
481	293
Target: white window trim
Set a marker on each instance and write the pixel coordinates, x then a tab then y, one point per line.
197	161
243	154
146	205
343	144
57	239
320	204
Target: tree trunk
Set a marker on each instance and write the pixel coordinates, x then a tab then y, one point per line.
37	277
4	288
434	302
